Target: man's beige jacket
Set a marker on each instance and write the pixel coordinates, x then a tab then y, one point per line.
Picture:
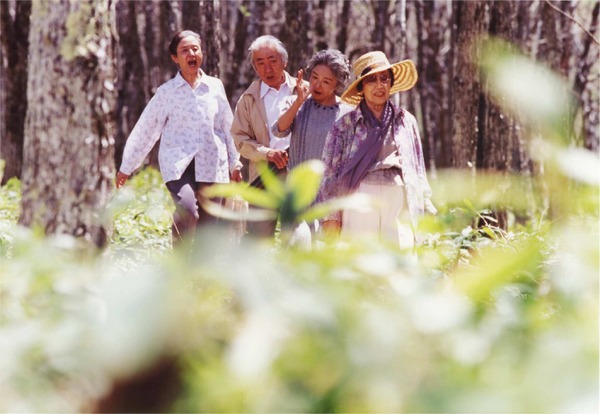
250	129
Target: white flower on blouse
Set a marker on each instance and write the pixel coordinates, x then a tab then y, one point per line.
193	125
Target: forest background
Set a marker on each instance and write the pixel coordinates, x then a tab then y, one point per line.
499	314
461	126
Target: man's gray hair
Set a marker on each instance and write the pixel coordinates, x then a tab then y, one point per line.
334	60
267	41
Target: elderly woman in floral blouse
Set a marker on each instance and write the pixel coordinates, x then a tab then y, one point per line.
376	150
192	117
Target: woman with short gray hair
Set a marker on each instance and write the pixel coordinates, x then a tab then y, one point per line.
309	115
337	62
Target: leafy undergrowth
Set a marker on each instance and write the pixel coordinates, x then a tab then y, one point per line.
483	321
142	212
10	196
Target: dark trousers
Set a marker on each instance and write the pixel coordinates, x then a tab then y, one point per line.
189	214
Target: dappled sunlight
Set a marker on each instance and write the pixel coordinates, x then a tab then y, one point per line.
478	318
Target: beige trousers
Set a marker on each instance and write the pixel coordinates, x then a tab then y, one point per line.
388	220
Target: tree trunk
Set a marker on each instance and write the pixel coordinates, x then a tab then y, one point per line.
381	15
238	72
500	138
469	24
13	84
320	31
499	148
211	36
294	35
190	17
432	21
583	89
203	17
68	163
342	26
130	67
399	44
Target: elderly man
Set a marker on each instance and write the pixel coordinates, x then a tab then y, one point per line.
257	109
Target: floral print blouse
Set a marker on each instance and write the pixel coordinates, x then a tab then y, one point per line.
193	125
344	139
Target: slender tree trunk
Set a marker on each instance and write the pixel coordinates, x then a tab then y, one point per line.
585	90
432	20
190	17
132	96
294	35
499	147
399	44
500	135
211	36
342	26
238	72
203	17
14	41
320	26
381	15
468	25
68	164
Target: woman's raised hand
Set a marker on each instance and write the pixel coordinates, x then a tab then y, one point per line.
301	87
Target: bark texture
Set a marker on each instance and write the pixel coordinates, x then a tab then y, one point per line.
468	26
14	41
68	157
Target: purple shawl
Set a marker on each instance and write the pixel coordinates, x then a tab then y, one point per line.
358	166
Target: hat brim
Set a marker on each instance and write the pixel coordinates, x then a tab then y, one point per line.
405	77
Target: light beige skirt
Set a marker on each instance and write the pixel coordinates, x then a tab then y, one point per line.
388	220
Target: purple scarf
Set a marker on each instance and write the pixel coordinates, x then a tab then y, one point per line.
358	166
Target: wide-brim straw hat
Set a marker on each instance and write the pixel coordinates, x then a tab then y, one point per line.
405	74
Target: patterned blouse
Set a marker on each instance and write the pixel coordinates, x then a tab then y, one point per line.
343	140
193	125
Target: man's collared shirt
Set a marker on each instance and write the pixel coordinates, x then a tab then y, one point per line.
273	100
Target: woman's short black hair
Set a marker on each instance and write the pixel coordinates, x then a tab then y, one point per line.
178	37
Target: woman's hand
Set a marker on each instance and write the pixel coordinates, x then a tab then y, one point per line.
302	89
302	92
278	157
236	175
121	178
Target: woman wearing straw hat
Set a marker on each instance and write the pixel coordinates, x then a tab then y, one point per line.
376	150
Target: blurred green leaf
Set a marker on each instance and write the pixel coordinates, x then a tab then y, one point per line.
581	165
304	181
272	183
494	267
352	201
527	89
254	196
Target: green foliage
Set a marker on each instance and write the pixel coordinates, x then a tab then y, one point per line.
142	212
347	327
292	202
483	320
10	196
